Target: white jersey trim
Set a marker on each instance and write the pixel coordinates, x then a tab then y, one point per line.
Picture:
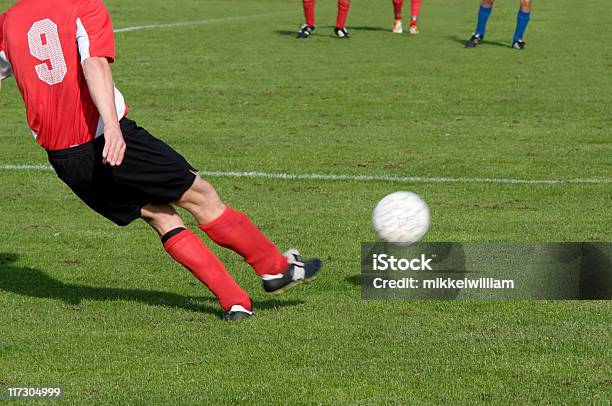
82	40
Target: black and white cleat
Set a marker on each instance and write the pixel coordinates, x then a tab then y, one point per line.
298	271
238	312
305	31
473	41
342	33
519	44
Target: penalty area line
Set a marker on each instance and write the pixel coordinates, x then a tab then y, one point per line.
194	22
357	178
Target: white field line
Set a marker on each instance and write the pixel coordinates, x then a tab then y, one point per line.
357	178
194	22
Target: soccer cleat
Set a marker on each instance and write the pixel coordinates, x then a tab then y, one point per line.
341	32
519	44
474	40
238	312
398	27
297	272
305	31
413	30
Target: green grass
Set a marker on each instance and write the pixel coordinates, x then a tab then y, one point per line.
105	312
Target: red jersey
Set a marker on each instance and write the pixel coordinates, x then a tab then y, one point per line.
45	43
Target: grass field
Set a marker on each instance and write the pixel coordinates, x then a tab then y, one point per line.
106	313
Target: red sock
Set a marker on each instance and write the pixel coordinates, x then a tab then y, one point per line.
191	252
235	231
343	8
397	8
415	9
309	9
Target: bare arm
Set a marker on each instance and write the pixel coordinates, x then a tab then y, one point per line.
99	79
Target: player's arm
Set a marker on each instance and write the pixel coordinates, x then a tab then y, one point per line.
96	44
99	79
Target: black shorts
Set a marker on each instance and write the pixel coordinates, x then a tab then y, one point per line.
151	172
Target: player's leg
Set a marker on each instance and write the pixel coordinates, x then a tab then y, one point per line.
191	252
486	6
522	19
397	26
309	16
343	8
415	10
233	229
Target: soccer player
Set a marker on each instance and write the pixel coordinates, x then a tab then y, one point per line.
309	10
415	9
60	52
522	19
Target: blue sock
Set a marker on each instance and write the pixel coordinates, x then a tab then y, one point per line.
483	17
521	24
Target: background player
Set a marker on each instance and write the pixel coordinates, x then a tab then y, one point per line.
60	52
415	9
309	14
484	12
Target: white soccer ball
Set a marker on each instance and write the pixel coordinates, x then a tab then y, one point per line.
401	217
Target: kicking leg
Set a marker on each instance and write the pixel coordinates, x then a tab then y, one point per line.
191	252
233	229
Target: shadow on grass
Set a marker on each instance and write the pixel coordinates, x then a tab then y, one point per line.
354	280
38	284
286	33
485	43
328	30
366	28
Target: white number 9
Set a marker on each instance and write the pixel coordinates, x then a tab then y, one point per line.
49	49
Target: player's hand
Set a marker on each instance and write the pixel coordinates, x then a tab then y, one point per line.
114	146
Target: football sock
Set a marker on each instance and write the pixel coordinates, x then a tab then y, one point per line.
190	251
522	19
343	8
309	10
415	9
235	231
397	8
483	16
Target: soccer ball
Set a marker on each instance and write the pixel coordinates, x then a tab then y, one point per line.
401	217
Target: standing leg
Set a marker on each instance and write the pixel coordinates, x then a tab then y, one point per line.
522	19
191	252
309	12
486	6
343	8
483	17
397	27
415	10
309	16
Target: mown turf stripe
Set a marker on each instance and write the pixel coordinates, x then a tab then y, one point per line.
194	22
358	178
